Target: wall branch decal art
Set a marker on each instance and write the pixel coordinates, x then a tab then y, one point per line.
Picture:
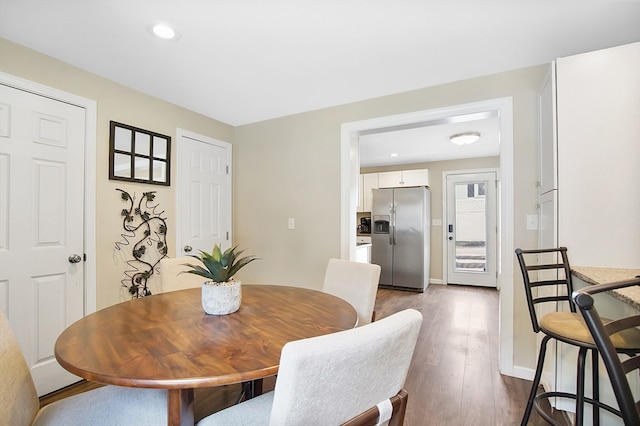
146	229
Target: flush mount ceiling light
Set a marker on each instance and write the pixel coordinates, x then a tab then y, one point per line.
465	138
164	32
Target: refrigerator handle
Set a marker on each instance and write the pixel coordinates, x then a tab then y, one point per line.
391	224
392	233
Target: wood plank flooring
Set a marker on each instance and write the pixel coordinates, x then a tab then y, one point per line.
453	379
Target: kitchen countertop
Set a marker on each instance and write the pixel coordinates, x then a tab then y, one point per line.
593	275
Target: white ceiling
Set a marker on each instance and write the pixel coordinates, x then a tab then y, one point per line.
246	61
429	141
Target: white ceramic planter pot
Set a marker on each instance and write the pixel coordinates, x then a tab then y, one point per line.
221	298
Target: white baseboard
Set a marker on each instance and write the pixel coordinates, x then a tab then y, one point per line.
522	373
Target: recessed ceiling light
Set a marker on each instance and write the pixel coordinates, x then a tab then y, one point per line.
465	138
164	32
395	154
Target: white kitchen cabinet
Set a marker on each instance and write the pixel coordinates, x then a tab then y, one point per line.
547	162
369	182
366	183
389	179
548	219
396	179
363	249
363	253
598	106
360	199
547	204
547	141
589	157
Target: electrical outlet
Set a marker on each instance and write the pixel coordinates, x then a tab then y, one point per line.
292	223
532	222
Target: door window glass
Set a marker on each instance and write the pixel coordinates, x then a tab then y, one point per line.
471	227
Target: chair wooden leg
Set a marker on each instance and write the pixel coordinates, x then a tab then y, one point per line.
536	380
257	387
250	390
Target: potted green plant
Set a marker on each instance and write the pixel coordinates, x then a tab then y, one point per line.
221	292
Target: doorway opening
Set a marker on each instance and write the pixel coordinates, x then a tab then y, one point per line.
350	168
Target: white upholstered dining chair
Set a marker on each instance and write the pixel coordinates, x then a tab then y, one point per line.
172	277
331	379
108	405
355	282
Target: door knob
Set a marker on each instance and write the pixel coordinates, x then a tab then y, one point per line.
187	249
75	258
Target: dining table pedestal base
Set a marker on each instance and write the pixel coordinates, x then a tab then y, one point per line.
180	404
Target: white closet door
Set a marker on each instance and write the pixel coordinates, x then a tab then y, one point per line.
41	225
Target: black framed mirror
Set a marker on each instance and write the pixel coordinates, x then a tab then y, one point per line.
138	155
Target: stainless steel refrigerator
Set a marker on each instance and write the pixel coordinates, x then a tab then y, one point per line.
400	236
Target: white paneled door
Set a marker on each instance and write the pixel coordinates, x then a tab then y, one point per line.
41	225
204	193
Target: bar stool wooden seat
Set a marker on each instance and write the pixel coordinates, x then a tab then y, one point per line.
550	269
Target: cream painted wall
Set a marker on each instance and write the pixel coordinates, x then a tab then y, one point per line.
118	103
283	168
435	183
290	167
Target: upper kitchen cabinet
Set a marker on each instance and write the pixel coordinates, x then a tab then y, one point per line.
404	178
547	146
367	182
596	155
359	206
395	179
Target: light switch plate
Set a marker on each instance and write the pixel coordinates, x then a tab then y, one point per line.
532	222
292	223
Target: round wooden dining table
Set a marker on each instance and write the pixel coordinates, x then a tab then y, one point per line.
167	341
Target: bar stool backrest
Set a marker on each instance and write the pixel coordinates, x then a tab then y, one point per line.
545	268
618	370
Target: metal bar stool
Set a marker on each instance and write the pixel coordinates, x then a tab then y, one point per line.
550	268
607	337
